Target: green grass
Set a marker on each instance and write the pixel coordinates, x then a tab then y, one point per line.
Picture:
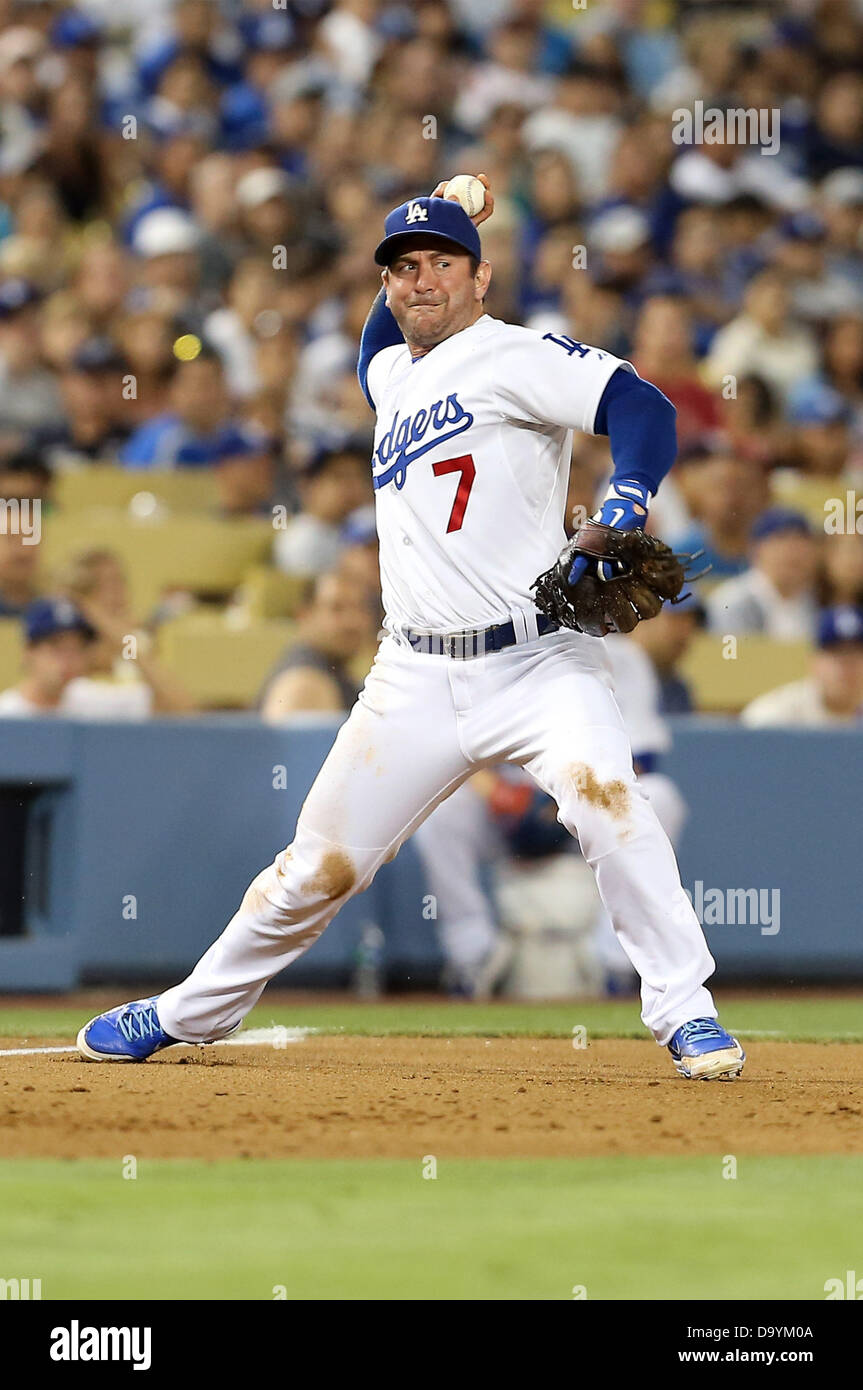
802	1018
484	1229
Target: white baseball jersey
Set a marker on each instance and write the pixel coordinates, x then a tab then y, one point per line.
471	468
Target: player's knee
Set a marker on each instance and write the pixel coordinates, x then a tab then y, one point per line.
600	807
323	873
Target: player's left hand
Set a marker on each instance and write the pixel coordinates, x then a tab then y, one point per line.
488	206
625	508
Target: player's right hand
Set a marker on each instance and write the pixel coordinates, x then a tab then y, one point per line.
488	207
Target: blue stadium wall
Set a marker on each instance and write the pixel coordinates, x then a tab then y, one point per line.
143	839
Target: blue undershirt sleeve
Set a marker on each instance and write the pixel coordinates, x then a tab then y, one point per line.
640	423
380	331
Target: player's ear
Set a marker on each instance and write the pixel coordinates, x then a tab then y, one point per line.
482	279
385	280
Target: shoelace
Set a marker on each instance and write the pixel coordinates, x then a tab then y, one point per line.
699	1028
147	1020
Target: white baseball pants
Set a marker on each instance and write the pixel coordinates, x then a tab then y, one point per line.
422	724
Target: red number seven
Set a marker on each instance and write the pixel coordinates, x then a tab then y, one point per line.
464	466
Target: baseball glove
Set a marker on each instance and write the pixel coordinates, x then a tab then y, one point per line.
646	573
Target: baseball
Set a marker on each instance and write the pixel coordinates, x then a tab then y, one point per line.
469	191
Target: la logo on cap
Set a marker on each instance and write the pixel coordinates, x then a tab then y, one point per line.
416	213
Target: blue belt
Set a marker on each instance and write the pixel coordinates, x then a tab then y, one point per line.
463	646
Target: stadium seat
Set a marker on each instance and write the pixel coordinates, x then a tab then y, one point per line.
269	593
807	495
223	666
204	555
174	490
10	652
723	683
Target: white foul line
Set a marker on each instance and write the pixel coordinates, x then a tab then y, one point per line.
251	1037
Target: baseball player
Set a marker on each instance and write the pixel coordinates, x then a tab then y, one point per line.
470	467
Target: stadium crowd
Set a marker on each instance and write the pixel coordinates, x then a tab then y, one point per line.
190	194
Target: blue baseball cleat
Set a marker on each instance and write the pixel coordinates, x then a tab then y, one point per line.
130	1033
702	1050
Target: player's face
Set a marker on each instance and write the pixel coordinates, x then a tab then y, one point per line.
433	293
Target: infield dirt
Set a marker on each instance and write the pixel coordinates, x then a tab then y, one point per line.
451	1097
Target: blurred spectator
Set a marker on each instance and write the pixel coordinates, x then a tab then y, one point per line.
840	574
508	75
776	595
21	48
727	494
72	155
28	392
843	366
332	483
489	813
821	440
696	274
663	353
582	121
276	220
325	363
233	330
167	243
764	338
666	640
19	565
836	137
146	339
833	694
56	638
198	431
94	429
26	473
123	678
334	624
620	242
819	288
101	283
358	560
753	424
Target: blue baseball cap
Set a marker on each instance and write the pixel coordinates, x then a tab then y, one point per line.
778	519
268	33
17	294
841	624
75	30
360	527
48	616
437	217
819	404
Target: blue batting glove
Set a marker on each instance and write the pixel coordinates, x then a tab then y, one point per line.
624	507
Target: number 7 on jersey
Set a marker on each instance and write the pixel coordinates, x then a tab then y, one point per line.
465	467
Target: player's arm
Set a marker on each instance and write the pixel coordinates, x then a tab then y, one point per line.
560	381
640	423
380	331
